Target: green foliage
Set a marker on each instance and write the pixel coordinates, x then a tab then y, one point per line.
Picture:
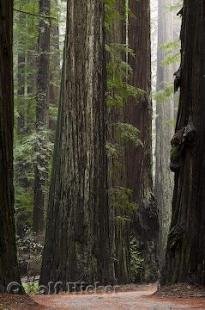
31	288
118	69
172	56
113	151
164	94
29	144
23	203
136	262
53	111
172	52
121	199
128	133
118	93
118	72
111	14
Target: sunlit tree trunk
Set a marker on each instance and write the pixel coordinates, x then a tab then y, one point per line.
78	241
185	254
8	260
164	124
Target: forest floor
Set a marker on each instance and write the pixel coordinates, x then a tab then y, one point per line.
141	297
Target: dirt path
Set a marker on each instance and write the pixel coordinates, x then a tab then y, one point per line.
141	299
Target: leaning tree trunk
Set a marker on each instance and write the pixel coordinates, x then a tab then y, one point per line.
8	260
185	254
164	125
41	167
78	240
139	114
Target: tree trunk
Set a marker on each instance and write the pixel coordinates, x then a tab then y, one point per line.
41	168
8	260
185	254
21	79
117	166
139	114
78	241
55	70
164	125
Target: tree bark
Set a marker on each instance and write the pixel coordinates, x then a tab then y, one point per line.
8	260
21	79
164	125
55	69
139	160
78	241
185	254
41	167
117	169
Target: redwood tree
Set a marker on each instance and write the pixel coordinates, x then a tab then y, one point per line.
164	124
41	167
138	112
78	239
121	220
8	260
185	255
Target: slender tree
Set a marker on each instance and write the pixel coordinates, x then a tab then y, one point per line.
21	76
138	112
78	239
41	167
55	69
185	254
54	60
8	260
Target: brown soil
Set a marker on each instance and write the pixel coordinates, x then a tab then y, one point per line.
18	302
182	290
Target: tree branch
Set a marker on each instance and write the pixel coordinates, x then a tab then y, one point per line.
33	14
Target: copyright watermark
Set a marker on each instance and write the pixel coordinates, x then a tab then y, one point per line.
68	287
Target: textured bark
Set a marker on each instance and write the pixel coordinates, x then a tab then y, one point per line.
117	170
55	68
78	241
139	114
21	79
41	168
164	125
185	255
8	260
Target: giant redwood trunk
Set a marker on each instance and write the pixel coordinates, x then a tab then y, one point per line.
117	173
78	241
41	167
8	260
139	114
164	124
185	255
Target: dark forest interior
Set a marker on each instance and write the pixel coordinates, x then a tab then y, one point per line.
102	143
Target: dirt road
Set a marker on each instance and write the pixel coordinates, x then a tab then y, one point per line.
141	299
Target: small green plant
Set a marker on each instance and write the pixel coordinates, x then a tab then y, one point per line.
121	199
128	133
31	288
136	262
